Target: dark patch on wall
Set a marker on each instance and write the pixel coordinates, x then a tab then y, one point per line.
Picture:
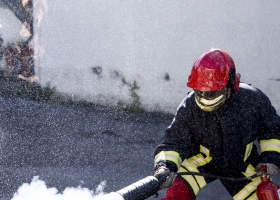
97	70
274	79
167	77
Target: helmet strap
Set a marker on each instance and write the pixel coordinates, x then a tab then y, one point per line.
231	79
229	92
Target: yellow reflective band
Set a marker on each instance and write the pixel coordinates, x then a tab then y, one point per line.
253	197
190	179
199	160
248	151
191	167
270	145
248	189
249	171
170	156
204	150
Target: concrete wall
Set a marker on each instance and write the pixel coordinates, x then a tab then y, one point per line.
10	26
145	39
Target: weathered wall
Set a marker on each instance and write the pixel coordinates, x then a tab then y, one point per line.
143	40
10	26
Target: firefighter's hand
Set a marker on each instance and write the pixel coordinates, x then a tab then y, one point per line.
165	177
271	169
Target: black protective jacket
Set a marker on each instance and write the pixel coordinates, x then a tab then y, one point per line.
247	117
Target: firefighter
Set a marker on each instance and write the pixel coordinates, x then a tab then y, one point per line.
218	129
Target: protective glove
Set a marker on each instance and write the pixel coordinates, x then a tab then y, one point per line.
271	169
165	177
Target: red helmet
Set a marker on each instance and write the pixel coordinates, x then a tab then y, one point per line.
212	71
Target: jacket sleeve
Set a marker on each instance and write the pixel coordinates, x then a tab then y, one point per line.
178	141
269	131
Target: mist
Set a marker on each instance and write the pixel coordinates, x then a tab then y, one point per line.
38	189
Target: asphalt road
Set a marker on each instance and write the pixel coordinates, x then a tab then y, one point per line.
70	146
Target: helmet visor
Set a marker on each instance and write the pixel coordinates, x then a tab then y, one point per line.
210	95
210	100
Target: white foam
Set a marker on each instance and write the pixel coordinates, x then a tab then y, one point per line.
38	189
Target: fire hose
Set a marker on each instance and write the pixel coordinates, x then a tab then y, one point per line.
150	185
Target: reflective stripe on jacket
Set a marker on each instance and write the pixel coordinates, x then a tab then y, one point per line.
228	135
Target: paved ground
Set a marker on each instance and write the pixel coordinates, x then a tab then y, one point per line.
71	146
67	145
